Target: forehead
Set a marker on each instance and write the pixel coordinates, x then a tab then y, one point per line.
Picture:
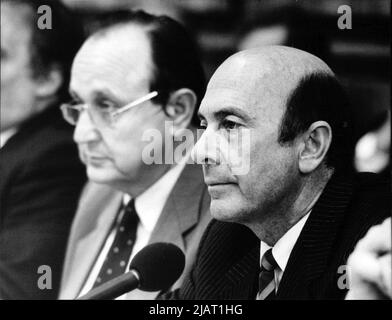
119	60
256	93
15	27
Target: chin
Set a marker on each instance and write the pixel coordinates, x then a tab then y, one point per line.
101	175
226	210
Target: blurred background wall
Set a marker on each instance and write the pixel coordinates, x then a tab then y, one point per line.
360	56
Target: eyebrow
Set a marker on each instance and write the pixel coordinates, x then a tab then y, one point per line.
227	111
98	94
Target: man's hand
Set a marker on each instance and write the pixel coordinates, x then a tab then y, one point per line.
370	265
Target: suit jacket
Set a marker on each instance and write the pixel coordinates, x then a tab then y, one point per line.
227	264
41	179
181	222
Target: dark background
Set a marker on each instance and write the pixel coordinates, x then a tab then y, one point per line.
359	56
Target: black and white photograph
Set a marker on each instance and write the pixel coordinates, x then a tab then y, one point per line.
195	150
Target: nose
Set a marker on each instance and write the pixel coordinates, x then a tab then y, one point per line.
85	131
206	151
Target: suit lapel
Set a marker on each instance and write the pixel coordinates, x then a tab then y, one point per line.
181	211
179	215
236	273
310	254
242	277
96	216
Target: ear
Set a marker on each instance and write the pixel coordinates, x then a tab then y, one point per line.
314	146
180	107
48	83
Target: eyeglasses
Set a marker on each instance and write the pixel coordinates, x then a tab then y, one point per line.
71	111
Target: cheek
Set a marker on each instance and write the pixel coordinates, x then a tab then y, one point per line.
127	143
15	71
238	154
125	149
17	98
270	166
16	78
125	152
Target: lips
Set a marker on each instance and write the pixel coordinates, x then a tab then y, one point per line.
217	182
87	155
215	177
96	158
93	159
218	189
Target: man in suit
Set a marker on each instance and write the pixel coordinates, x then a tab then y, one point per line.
41	176
130	200
284	229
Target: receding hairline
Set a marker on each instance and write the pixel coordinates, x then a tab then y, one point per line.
278	69
122	26
286	63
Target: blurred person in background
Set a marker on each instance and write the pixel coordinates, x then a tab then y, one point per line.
40	174
370	265
151	63
288	25
93	12
372	152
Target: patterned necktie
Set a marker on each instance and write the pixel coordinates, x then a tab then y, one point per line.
118	256
267	277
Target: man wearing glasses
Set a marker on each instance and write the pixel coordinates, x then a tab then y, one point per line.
134	74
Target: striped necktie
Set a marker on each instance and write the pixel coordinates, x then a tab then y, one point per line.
118	256
267	277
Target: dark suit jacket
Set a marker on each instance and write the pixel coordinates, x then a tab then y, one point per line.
41	178
227	264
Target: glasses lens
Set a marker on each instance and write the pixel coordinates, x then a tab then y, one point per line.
100	117
70	114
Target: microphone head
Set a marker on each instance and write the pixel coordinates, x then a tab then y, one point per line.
159	265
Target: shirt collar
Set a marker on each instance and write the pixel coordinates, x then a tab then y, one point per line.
282	249
6	135
150	203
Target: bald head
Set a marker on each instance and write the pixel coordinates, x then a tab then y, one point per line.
276	70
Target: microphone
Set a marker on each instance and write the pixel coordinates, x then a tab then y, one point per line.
156	267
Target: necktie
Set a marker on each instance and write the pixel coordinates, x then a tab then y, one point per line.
266	277
117	258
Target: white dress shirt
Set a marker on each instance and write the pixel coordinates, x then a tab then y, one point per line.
282	249
6	135
149	206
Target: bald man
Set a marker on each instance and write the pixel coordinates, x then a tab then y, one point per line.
284	229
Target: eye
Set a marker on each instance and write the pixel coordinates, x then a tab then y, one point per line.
203	124
75	102
106	105
230	125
